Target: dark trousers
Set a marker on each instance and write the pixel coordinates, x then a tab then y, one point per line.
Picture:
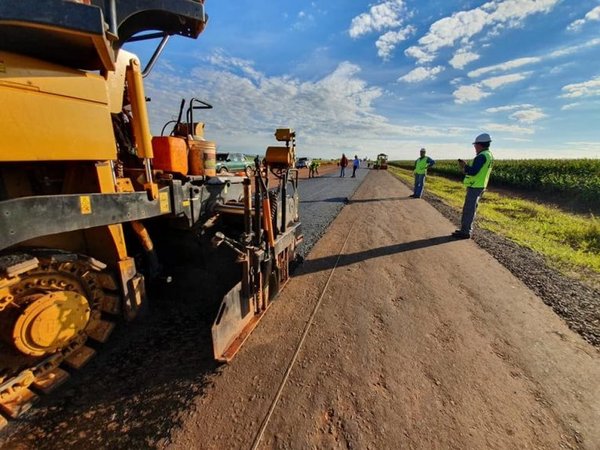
354	171
470	208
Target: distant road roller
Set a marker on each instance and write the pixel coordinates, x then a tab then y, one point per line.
84	188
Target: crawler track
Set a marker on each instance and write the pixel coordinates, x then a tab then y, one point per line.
30	363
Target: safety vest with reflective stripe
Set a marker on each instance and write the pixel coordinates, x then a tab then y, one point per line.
481	178
421	165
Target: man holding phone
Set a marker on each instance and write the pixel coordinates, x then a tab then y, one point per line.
477	175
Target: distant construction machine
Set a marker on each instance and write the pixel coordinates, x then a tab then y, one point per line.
381	162
83	185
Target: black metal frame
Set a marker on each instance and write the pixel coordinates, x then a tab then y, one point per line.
26	218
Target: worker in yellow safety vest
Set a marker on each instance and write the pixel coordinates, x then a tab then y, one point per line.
421	165
313	168
477	175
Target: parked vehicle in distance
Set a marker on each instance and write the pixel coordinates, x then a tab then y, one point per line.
232	162
303	163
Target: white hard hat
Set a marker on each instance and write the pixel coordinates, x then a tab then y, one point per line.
483	137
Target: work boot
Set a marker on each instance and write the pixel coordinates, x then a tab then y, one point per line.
460	234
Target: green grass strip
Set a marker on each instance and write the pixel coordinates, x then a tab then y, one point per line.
570	243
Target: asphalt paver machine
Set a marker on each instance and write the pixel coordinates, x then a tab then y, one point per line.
84	184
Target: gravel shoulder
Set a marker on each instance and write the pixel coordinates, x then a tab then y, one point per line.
420	342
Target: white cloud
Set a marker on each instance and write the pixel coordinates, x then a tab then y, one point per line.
512	12
304	21
419	54
507	108
574	48
593	15
528	115
585	89
445	32
570	106
333	114
525	113
590	146
421	74
462	26
254	99
520	62
501	127
516	139
477	91
387	42
470	93
463	57
496	82
221	60
503	67
576	25
385	15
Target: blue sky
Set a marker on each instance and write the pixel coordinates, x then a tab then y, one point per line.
391	76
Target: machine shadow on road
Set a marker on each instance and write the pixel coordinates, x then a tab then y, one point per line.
328	262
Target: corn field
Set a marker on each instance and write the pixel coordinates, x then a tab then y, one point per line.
579	178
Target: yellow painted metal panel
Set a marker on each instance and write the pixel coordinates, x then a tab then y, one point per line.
106	177
52	113
141	126
115	81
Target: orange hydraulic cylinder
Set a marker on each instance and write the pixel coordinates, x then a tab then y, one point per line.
267	223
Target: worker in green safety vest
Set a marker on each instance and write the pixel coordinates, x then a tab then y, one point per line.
313	168
477	175
421	165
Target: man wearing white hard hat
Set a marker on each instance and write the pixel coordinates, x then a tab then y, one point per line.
477	175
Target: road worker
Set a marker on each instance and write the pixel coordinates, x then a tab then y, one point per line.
313	168
421	165
477	175
343	165
355	165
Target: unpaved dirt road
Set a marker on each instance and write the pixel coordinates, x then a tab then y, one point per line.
419	342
